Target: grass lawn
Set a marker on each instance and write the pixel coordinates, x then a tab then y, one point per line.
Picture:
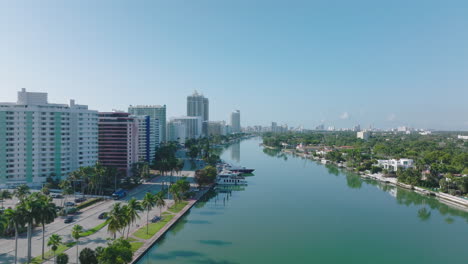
50	254
136	246
178	207
153	228
93	230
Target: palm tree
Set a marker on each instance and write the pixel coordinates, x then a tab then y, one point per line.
3	223
47	212
30	208
76	230
53	242
159	201
73	178
84	173
66	188
148	203
133	207
176	192
15	220
116	219
5	194
22	191
99	172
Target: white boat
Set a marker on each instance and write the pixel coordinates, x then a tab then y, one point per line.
230	178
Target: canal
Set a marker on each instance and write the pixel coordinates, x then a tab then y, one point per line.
298	211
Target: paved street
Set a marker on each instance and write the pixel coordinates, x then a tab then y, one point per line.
88	219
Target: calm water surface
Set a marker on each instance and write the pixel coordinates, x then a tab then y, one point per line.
298	211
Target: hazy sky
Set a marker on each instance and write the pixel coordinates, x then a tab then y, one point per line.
385	63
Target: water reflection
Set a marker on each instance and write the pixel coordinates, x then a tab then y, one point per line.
332	169
353	181
235	152
424	214
404	197
275	153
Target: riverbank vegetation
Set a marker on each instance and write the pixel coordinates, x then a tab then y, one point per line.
440	158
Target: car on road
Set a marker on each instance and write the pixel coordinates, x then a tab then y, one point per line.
103	215
56	195
155	219
69	204
68	220
80	200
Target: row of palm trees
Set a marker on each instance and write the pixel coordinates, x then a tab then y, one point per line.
92	179
32	209
122	216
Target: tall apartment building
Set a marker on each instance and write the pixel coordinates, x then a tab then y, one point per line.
216	128
198	105
39	139
118	140
193	125
176	131
148	137
155	112
235	121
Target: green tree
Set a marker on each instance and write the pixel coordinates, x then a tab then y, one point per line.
133	208
193	152
116	219
76	231
15	221
5	194
65	186
88	256
147	204
3	223
54	242
22	191
206	176
62	258
159	201
46	213
118	251
175	191
30	210
45	190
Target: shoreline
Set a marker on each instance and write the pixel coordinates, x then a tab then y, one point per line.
150	242
448	199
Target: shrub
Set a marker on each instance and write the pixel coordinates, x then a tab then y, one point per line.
62	258
89	203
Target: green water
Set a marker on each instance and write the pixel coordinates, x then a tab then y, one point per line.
298	211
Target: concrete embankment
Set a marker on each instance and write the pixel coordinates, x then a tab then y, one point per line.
150	242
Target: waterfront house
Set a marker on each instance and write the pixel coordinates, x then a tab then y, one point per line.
394	164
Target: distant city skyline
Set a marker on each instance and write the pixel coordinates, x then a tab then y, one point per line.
385	64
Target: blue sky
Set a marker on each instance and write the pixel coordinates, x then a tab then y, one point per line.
386	63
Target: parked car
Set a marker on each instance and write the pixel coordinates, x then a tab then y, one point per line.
102	215
68	220
80	200
155	219
56	195
69	204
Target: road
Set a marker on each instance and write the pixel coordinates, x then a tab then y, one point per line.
88	219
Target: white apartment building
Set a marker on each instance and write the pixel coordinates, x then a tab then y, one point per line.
193	125
235	121
39	139
176	131
394	164
363	135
